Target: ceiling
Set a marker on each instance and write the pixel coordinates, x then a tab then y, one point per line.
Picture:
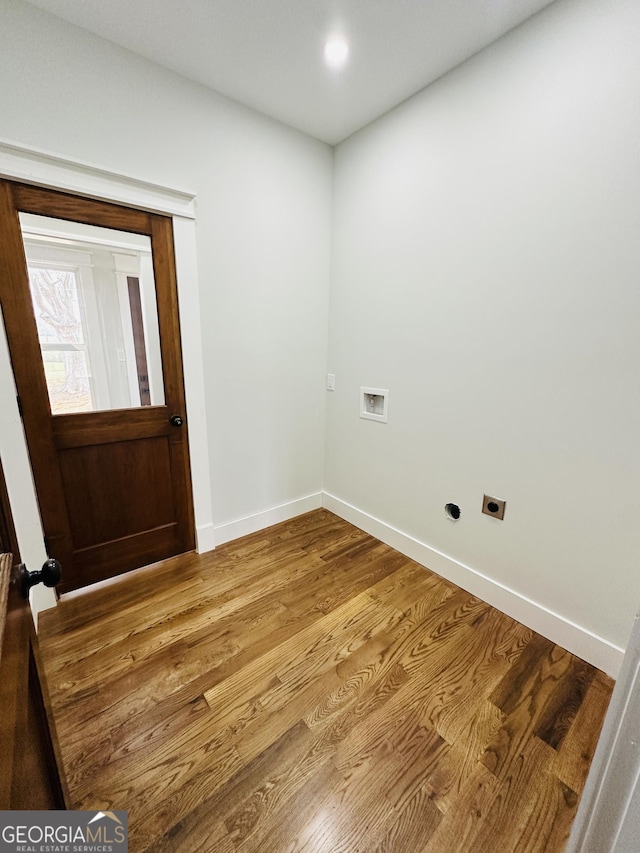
267	54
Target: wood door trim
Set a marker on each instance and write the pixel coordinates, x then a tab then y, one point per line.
73	431
24	350
164	259
22	672
56	765
165	268
11	555
12	687
91	211
92	556
6	565
8	538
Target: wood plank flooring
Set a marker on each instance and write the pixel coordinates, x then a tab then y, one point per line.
308	688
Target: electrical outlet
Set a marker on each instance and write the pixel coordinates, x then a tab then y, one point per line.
493	507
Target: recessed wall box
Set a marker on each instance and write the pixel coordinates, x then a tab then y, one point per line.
374	404
493	506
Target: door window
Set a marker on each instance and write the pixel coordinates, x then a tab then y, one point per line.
94	300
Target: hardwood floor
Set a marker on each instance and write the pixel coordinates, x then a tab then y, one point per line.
307	688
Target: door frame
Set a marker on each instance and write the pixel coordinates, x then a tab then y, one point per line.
37	167
607	815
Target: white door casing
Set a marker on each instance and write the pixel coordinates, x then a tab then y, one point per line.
40	168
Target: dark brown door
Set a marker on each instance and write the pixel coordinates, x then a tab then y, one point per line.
29	777
89	297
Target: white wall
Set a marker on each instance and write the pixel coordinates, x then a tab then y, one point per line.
485	269
263	195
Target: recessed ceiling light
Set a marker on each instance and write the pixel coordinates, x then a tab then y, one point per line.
336	51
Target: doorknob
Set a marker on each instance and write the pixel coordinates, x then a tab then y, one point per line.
50	575
176	421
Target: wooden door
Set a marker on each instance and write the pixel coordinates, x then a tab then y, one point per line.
109	456
29	777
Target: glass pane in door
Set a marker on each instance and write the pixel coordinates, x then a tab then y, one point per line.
94	300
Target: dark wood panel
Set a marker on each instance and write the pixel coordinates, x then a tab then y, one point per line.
26	360
103	427
37	761
8	538
127	553
117	489
6	567
28	770
308	688
169	321
164	266
93	212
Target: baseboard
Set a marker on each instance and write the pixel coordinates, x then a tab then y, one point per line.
565	633
205	538
252	523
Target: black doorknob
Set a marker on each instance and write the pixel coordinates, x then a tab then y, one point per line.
176	421
50	575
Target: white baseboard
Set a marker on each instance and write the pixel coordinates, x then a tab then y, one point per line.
565	633
252	523
205	538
